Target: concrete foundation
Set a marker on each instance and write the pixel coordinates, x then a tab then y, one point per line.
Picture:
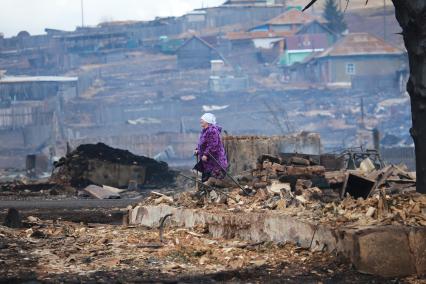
389	251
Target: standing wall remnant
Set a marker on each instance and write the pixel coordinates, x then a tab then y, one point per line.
243	151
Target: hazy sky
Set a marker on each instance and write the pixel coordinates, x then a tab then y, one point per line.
35	15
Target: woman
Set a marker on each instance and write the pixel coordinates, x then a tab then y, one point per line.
210	149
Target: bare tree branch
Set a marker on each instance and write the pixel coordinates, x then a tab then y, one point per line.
309	5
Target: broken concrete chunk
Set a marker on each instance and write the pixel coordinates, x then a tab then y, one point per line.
301	199
163	200
112	189
370	212
101	192
367	166
33	219
276	186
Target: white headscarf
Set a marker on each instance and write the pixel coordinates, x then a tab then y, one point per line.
209	118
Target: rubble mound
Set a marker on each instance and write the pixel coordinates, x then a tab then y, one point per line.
104	165
298	187
104	152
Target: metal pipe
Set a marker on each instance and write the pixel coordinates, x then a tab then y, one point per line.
196	174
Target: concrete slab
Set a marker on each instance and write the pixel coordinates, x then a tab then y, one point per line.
102	192
390	251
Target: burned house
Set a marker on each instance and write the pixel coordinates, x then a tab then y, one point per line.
196	53
30	115
358	58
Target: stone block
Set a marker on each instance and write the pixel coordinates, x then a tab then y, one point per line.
384	252
417	239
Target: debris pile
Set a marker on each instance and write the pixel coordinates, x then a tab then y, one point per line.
63	252
301	188
22	189
272	169
102	165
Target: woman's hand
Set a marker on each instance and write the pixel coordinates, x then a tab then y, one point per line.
204	158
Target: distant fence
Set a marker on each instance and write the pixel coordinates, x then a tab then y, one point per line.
400	155
25	114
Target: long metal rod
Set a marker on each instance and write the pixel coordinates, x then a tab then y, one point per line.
197	188
231	177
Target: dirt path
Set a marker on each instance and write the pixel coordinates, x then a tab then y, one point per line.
64	252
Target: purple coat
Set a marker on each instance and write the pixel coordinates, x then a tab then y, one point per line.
210	142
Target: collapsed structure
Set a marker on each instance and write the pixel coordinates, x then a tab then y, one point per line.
362	214
102	165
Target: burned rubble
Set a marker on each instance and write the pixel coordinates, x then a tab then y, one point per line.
300	201
59	251
300	187
108	215
92	171
103	165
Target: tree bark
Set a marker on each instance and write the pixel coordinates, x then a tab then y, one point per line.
411	15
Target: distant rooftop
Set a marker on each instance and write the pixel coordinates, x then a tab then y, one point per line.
29	79
258	35
253	3
293	16
361	44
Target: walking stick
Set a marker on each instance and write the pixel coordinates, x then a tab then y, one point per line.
196	173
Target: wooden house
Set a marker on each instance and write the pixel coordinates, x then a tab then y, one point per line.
196	53
354	56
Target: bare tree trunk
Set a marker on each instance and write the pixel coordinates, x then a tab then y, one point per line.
411	15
